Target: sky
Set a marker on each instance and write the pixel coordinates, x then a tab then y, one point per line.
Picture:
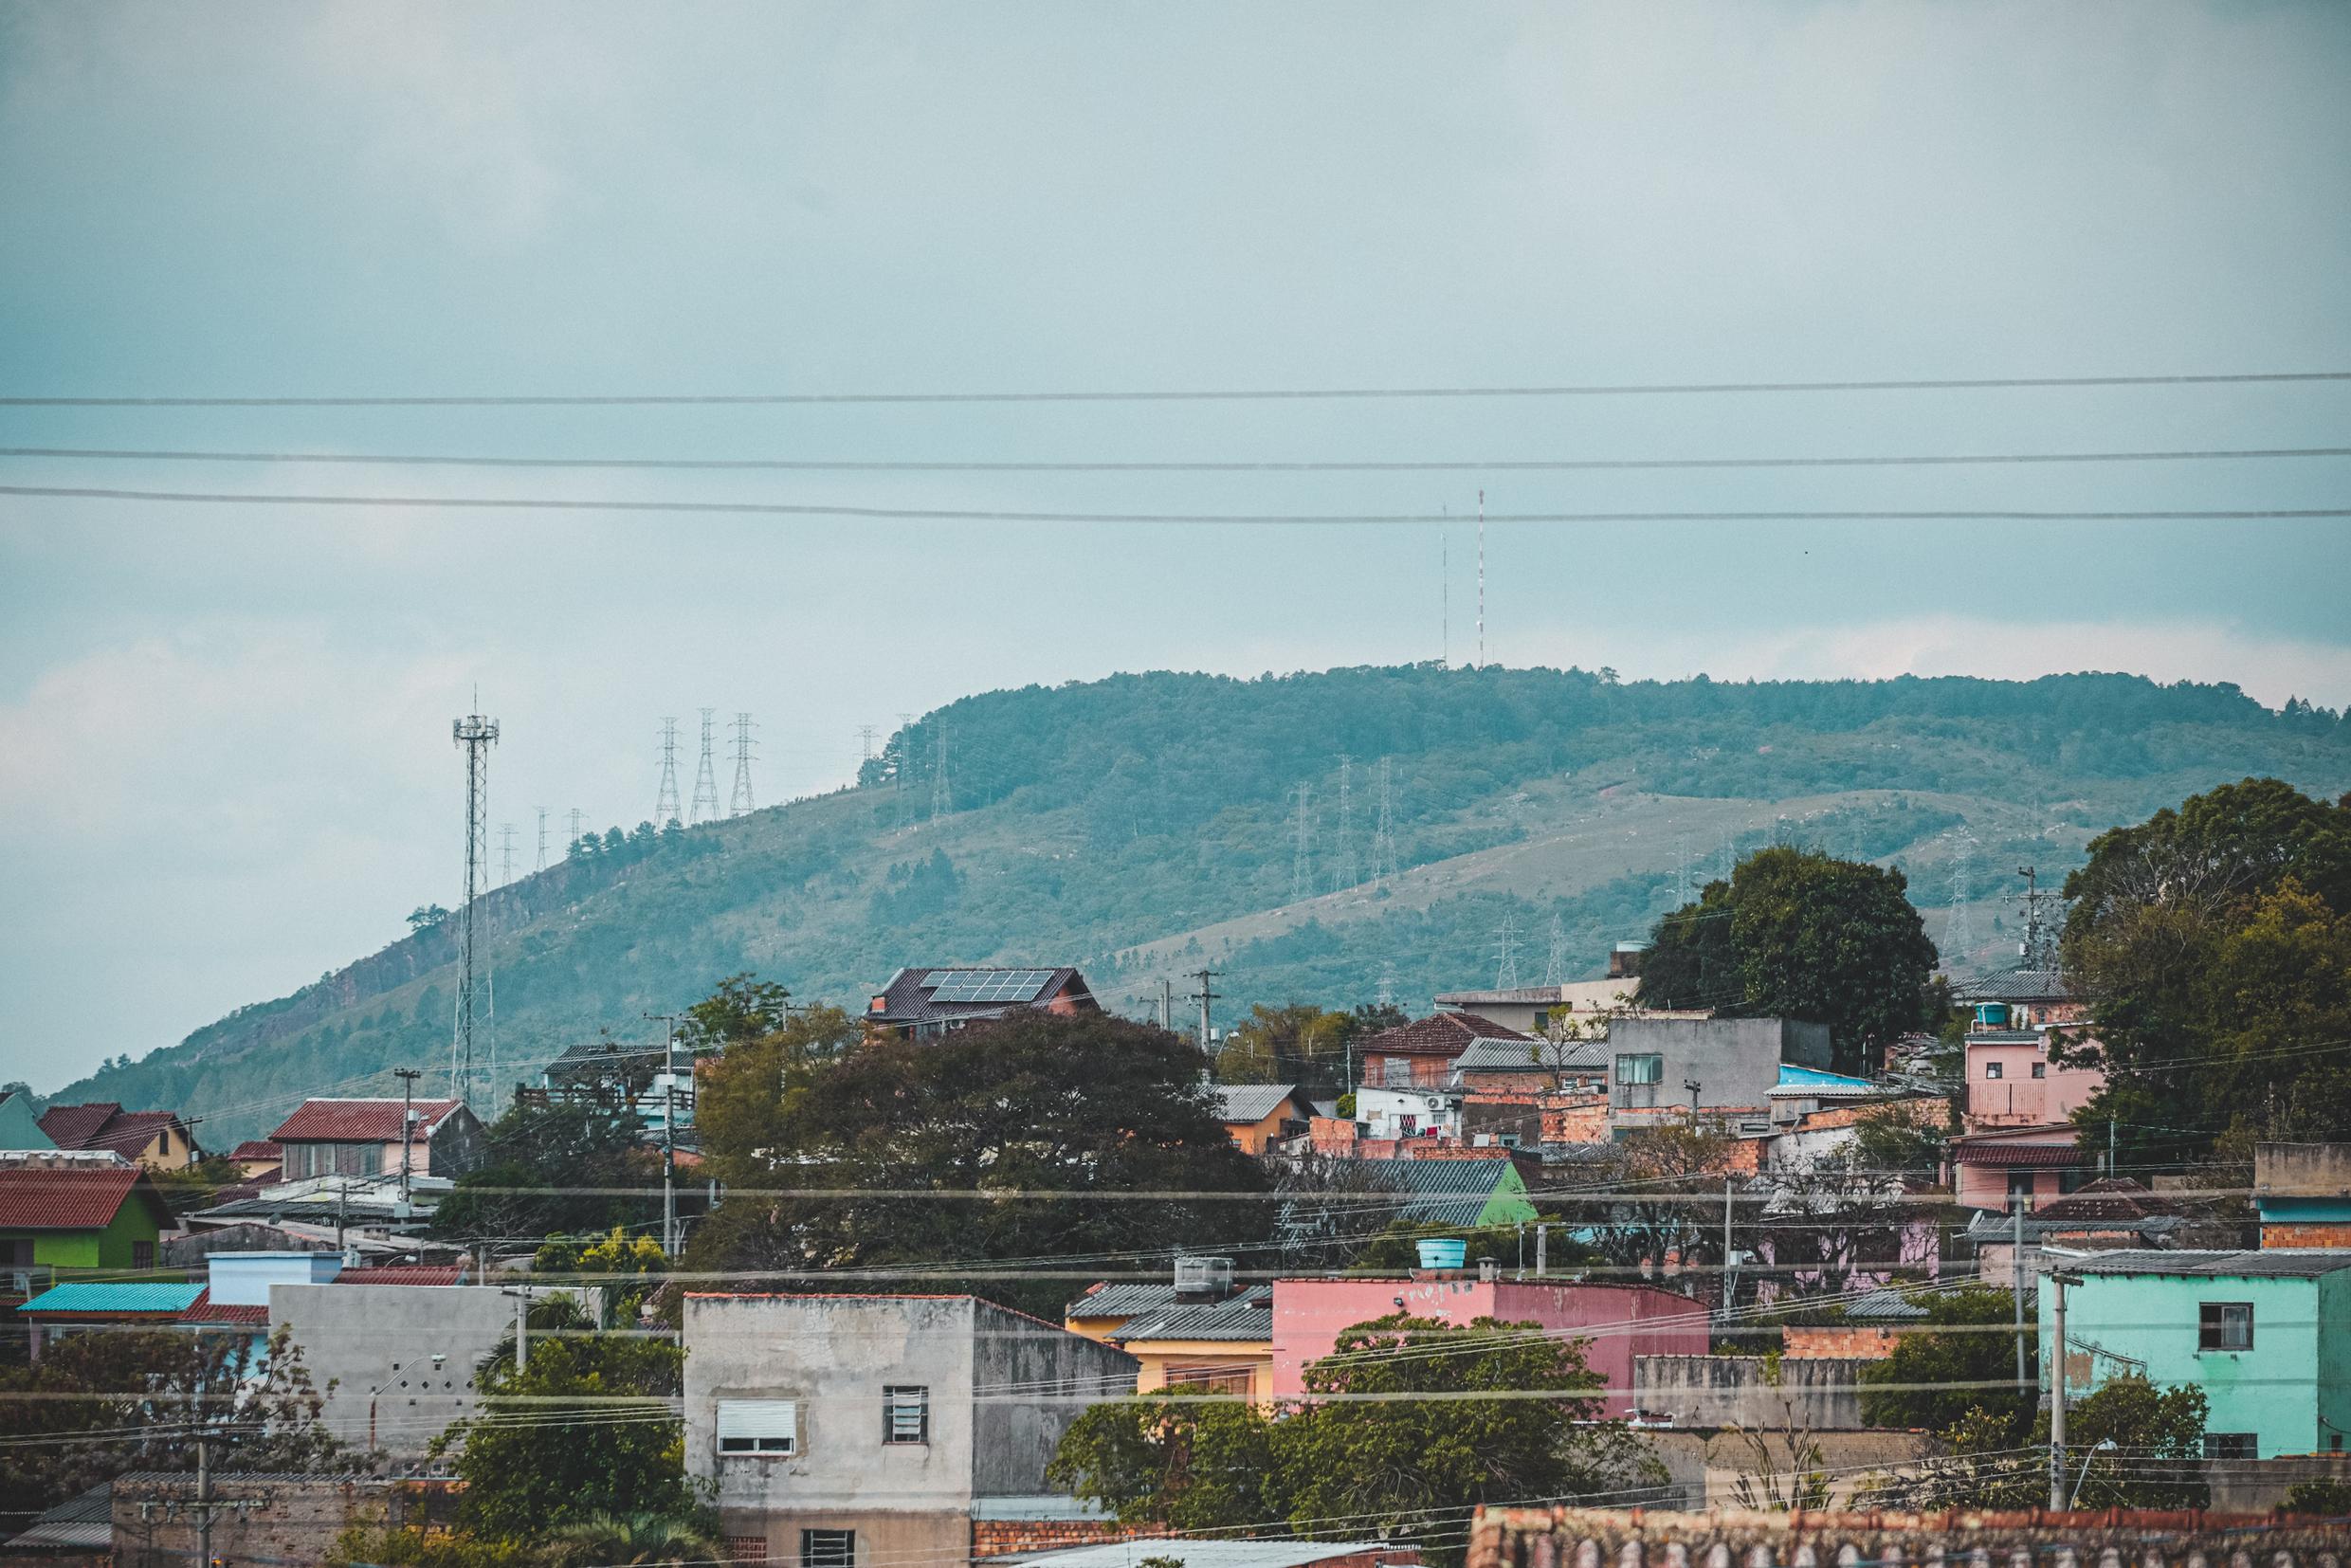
224	754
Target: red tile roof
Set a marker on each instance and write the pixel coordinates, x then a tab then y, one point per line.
206	1311
1445	1034
402	1273
358	1121
2017	1153
35	1197
105	1125
257	1148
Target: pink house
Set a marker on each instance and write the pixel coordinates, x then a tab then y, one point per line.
1991	1169
2012	1083
1619	1322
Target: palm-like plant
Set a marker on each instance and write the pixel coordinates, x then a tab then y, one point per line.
631	1540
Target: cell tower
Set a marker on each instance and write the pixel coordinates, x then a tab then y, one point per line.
740	802
705	807
1555	967
506	854
942	798
1342	853
475	734
1481	664
578	819
1301	863
1506	968
1383	831
542	839
665	807
1958	927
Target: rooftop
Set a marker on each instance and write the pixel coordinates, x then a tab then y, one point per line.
1528	1054
360	1121
1193	1552
41	1197
1251	1102
80	1524
115	1296
105	1125
2016	985
916	996
1123	1300
1439	1035
2277	1262
1243	1316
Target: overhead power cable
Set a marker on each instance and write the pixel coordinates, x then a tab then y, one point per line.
926	514
1282	465
1241	395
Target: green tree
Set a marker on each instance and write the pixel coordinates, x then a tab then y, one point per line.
1033	1103
1960	1364
1358	1446
1298	1043
554	1169
2129	1445
633	1540
628	1268
1798	934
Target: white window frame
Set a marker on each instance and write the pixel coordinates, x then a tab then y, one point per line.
1638	1068
759	1429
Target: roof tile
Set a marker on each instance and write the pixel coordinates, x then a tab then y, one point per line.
358	1121
38	1197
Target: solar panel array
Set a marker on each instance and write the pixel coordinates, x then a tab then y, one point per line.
986	985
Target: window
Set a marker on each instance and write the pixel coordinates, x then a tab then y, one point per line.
2231	1445
1210	1376
1395	1073
1542	1023
142	1254
828	1549
759	1426
2020	1184
2040	1069
1641	1069
905	1414
1992	1070
2224	1325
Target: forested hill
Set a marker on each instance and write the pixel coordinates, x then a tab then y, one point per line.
1144	825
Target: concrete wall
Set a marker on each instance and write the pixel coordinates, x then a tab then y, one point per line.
2302	1170
1819	1392
1703	1467
366	1338
1735	1061
1030	1381
285	1519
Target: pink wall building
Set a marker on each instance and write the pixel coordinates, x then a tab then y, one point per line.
2012	1083
1991	1169
1620	1321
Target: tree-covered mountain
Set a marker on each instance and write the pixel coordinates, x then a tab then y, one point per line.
1148	825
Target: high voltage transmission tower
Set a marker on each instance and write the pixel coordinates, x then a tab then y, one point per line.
1301	862
1481	664
866	734
1342	853
1383	832
705	806
1555	967
1959	926
1730	862
898	771
740	802
942	799
665	807
542	839
578	819
506	854
474	735
1506	969
1681	871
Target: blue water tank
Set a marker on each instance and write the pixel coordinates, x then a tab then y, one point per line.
1443	1254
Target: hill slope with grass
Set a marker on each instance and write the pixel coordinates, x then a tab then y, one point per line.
1145	825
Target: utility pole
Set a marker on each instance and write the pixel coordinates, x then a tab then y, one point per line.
204	1504
1726	1248
408	1077
522	1330
1204	996
669	1022
2016	1285
2057	1391
1167	1002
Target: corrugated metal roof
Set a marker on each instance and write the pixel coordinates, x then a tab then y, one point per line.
84	1523
359	1121
47	1197
2016	985
1121	1301
2277	1262
1196	1552
115	1296
1245	1316
1251	1102
1884	1306
2017	1153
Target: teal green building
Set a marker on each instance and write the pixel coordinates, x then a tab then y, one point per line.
2266	1335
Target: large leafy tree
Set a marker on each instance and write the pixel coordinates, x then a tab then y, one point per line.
554	1169
1296	1043
1360	1447
2157	1438
2216	939
1798	934
1961	1366
831	1162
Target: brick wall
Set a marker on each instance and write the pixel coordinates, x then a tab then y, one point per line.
1919	1113
1820	1344
2308	1232
996	1538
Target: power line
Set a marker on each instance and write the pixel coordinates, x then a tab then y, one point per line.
1297	466
595	400
920	514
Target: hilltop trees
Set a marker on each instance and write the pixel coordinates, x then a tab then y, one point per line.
1798	934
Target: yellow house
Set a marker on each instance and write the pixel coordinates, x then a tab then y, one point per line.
1200	1332
1255	1115
157	1139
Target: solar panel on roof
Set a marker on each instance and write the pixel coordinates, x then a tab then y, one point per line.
987	985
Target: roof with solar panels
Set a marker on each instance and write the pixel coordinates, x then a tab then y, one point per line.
929	1001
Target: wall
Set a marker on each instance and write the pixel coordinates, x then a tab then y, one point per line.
2298	1233
1234	1360
365	1338
1703	1467
1799	1343
1819	1392
288	1519
1057	1376
2151	1318
1624	1320
1735	1061
2303	1170
2016	1098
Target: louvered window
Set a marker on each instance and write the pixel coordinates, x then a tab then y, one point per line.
905	1414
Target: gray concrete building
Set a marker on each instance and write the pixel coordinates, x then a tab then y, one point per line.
1734	1061
844	1432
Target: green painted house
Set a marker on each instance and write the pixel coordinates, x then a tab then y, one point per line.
2266	1335
57	1212
20	1125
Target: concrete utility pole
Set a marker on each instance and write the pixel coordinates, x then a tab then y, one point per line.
1167	1002
408	1077
2016	1285
1204	996
1726	1248
522	1330
2057	1391
1542	1250
669	1129
204	1504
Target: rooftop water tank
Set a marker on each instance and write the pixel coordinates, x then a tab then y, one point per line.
1442	1253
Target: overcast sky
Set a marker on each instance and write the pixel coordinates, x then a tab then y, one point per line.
224	752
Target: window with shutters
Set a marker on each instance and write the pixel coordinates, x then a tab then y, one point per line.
758	1428
905	1414
828	1549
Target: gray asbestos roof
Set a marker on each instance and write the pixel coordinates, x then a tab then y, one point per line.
79	1524
2291	1263
1248	1315
1199	1554
1251	1102
1121	1300
1526	1056
1884	1306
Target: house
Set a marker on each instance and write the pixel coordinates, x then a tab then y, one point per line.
63	1210
157	1139
654	1082
365	1138
258	1159
839	1432
1464	1188
20	1125
2303	1192
2109	1214
923	1002
86	1305
2263	1335
2013	1082
1256	1115
1618	1321
1537	1067
1993	1169
1666	1060
2023	998
1404	1075
1578	1004
1211	1334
